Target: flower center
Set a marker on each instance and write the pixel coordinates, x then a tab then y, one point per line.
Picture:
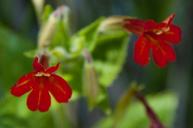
40	74
161	31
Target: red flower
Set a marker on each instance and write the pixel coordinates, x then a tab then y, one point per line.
155	37
41	83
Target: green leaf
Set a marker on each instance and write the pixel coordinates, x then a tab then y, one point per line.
109	52
46	13
109	55
71	70
90	33
61	36
90	83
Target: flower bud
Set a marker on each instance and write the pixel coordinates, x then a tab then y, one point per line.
91	86
110	23
47	32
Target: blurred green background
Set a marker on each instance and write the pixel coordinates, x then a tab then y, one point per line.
18	34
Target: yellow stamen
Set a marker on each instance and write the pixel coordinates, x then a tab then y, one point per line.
163	30
40	74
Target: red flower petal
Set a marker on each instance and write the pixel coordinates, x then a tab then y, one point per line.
52	69
163	53
150	25
37	66
173	35
134	25
23	85
59	88
169	19
39	99
159	57
45	100
171	56
141	51
33	100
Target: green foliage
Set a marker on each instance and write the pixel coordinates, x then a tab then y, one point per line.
13	63
46	13
61	36
108	50
110	55
90	34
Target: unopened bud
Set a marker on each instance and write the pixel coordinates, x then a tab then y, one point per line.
48	30
110	23
91	87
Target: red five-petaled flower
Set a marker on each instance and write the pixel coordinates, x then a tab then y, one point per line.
155	37
41	83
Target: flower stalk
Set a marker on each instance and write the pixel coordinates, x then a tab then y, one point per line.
49	28
124	102
38	5
155	122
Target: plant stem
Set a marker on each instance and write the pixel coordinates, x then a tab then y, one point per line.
155	122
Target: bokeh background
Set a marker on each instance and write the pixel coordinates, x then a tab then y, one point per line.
19	31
